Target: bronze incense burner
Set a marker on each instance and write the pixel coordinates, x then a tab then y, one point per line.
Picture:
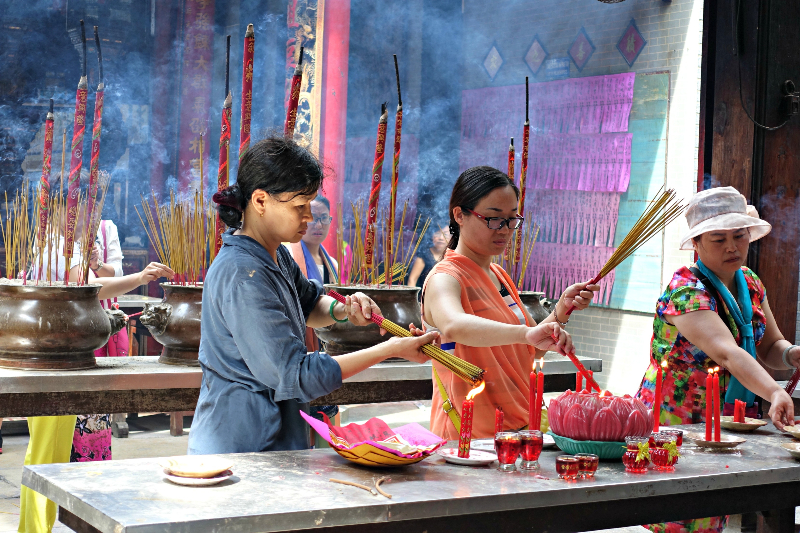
53	327
398	304
175	323
536	304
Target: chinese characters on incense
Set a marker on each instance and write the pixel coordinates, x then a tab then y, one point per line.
536	396
374	193
467	408
224	144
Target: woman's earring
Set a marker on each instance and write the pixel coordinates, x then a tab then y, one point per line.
262	213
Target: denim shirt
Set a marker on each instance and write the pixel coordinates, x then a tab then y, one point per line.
257	375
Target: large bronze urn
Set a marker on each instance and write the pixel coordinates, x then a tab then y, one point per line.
175	323
53	327
398	303
537	304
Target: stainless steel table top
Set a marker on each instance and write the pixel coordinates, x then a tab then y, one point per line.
145	372
135	300
279	491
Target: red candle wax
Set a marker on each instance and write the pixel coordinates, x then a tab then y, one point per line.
578	382
716	408
539	397
657	400
709	404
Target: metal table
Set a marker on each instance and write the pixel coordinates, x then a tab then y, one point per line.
284	491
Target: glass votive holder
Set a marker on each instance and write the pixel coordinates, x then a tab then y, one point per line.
567	467
678	435
507	445
665	453
633	463
531	442
587	464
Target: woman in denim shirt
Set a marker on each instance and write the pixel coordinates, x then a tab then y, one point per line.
257	375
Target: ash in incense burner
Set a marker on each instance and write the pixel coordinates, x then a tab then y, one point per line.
175	323
398	303
53	327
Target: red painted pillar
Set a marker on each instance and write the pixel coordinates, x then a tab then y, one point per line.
336	48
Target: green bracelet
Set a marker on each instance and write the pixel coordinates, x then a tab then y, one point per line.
330	312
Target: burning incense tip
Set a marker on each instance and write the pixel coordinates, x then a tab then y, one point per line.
83	46
512	142
51	107
300	59
249	32
397	75
383	108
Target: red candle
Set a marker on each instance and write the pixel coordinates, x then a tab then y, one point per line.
539	394
709	404
532	399
465	436
466	428
657	400
498	420
716	406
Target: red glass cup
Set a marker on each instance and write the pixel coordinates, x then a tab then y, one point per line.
507	445
660	455
587	464
567	467
678	435
629	457
531	447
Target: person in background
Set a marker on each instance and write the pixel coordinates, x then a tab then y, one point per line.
92	438
715	314
316	263
51	437
423	263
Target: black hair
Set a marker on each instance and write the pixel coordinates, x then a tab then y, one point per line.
275	165
324	201
473	185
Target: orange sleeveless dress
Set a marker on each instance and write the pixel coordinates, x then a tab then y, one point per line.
507	367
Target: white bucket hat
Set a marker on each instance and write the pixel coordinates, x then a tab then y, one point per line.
720	208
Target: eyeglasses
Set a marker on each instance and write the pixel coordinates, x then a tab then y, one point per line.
497	223
323	220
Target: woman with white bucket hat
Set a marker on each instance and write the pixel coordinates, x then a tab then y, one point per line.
712	314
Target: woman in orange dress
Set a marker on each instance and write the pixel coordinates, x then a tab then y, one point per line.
474	305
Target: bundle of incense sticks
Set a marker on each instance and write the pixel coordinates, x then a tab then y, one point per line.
182	234
20	227
353	268
663	209
464	370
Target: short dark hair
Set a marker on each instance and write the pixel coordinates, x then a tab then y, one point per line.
472	186
275	165
324	201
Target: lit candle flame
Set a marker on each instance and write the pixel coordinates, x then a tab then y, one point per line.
477	390
664	364
541	364
716	369
603	393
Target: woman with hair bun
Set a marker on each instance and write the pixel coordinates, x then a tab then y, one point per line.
474	304
257	373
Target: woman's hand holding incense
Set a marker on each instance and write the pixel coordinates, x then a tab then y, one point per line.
550	336
578	296
409	348
359	309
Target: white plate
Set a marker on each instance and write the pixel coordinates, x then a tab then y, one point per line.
197	481
793	448
476	457
197	466
726	441
487	445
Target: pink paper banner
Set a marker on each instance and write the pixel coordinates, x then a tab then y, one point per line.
575	217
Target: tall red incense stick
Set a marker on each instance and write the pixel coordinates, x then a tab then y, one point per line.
94	166
511	177
398	127
590	382
224	143
523	175
375	191
294	98
247	90
76	160
44	184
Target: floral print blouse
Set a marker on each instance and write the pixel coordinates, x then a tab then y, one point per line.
687	366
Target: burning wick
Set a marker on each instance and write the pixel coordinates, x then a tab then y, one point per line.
467	407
